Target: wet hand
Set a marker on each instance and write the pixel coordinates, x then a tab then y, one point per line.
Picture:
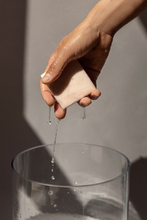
90	48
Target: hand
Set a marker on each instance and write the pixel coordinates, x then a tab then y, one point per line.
90	48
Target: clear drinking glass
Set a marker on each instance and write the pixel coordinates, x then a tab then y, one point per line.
76	181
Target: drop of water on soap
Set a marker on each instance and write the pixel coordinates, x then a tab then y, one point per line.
76	182
52	170
52	177
50	193
55	206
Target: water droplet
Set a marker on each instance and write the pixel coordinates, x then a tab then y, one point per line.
55	206
83	152
74	190
53	160
76	182
84	113
49	122
52	177
52	170
67	192
50	192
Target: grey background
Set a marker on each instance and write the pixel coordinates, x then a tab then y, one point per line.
29	33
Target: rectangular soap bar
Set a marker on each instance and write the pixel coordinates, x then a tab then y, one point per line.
72	85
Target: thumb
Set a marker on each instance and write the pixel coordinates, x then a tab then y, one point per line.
57	62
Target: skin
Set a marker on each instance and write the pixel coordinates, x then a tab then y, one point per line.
90	43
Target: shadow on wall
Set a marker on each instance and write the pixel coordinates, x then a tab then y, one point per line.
143	19
138	171
138	187
16	135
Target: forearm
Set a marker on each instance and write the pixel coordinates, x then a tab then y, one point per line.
110	15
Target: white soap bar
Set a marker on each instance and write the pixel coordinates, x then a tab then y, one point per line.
72	85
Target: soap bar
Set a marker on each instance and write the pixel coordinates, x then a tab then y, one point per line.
72	85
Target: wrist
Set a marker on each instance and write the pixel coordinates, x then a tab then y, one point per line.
109	16
101	16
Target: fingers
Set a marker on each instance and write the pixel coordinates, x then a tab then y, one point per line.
85	101
49	99
95	94
46	94
59	112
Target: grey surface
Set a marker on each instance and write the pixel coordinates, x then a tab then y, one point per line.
29	33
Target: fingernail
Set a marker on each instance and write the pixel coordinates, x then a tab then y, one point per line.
43	74
45	77
82	105
95	97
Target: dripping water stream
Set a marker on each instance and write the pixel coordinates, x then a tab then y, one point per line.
49	116
84	113
54	146
55	139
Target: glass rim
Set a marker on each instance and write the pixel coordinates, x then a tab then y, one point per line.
72	186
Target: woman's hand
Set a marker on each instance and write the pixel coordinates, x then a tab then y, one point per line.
90	48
